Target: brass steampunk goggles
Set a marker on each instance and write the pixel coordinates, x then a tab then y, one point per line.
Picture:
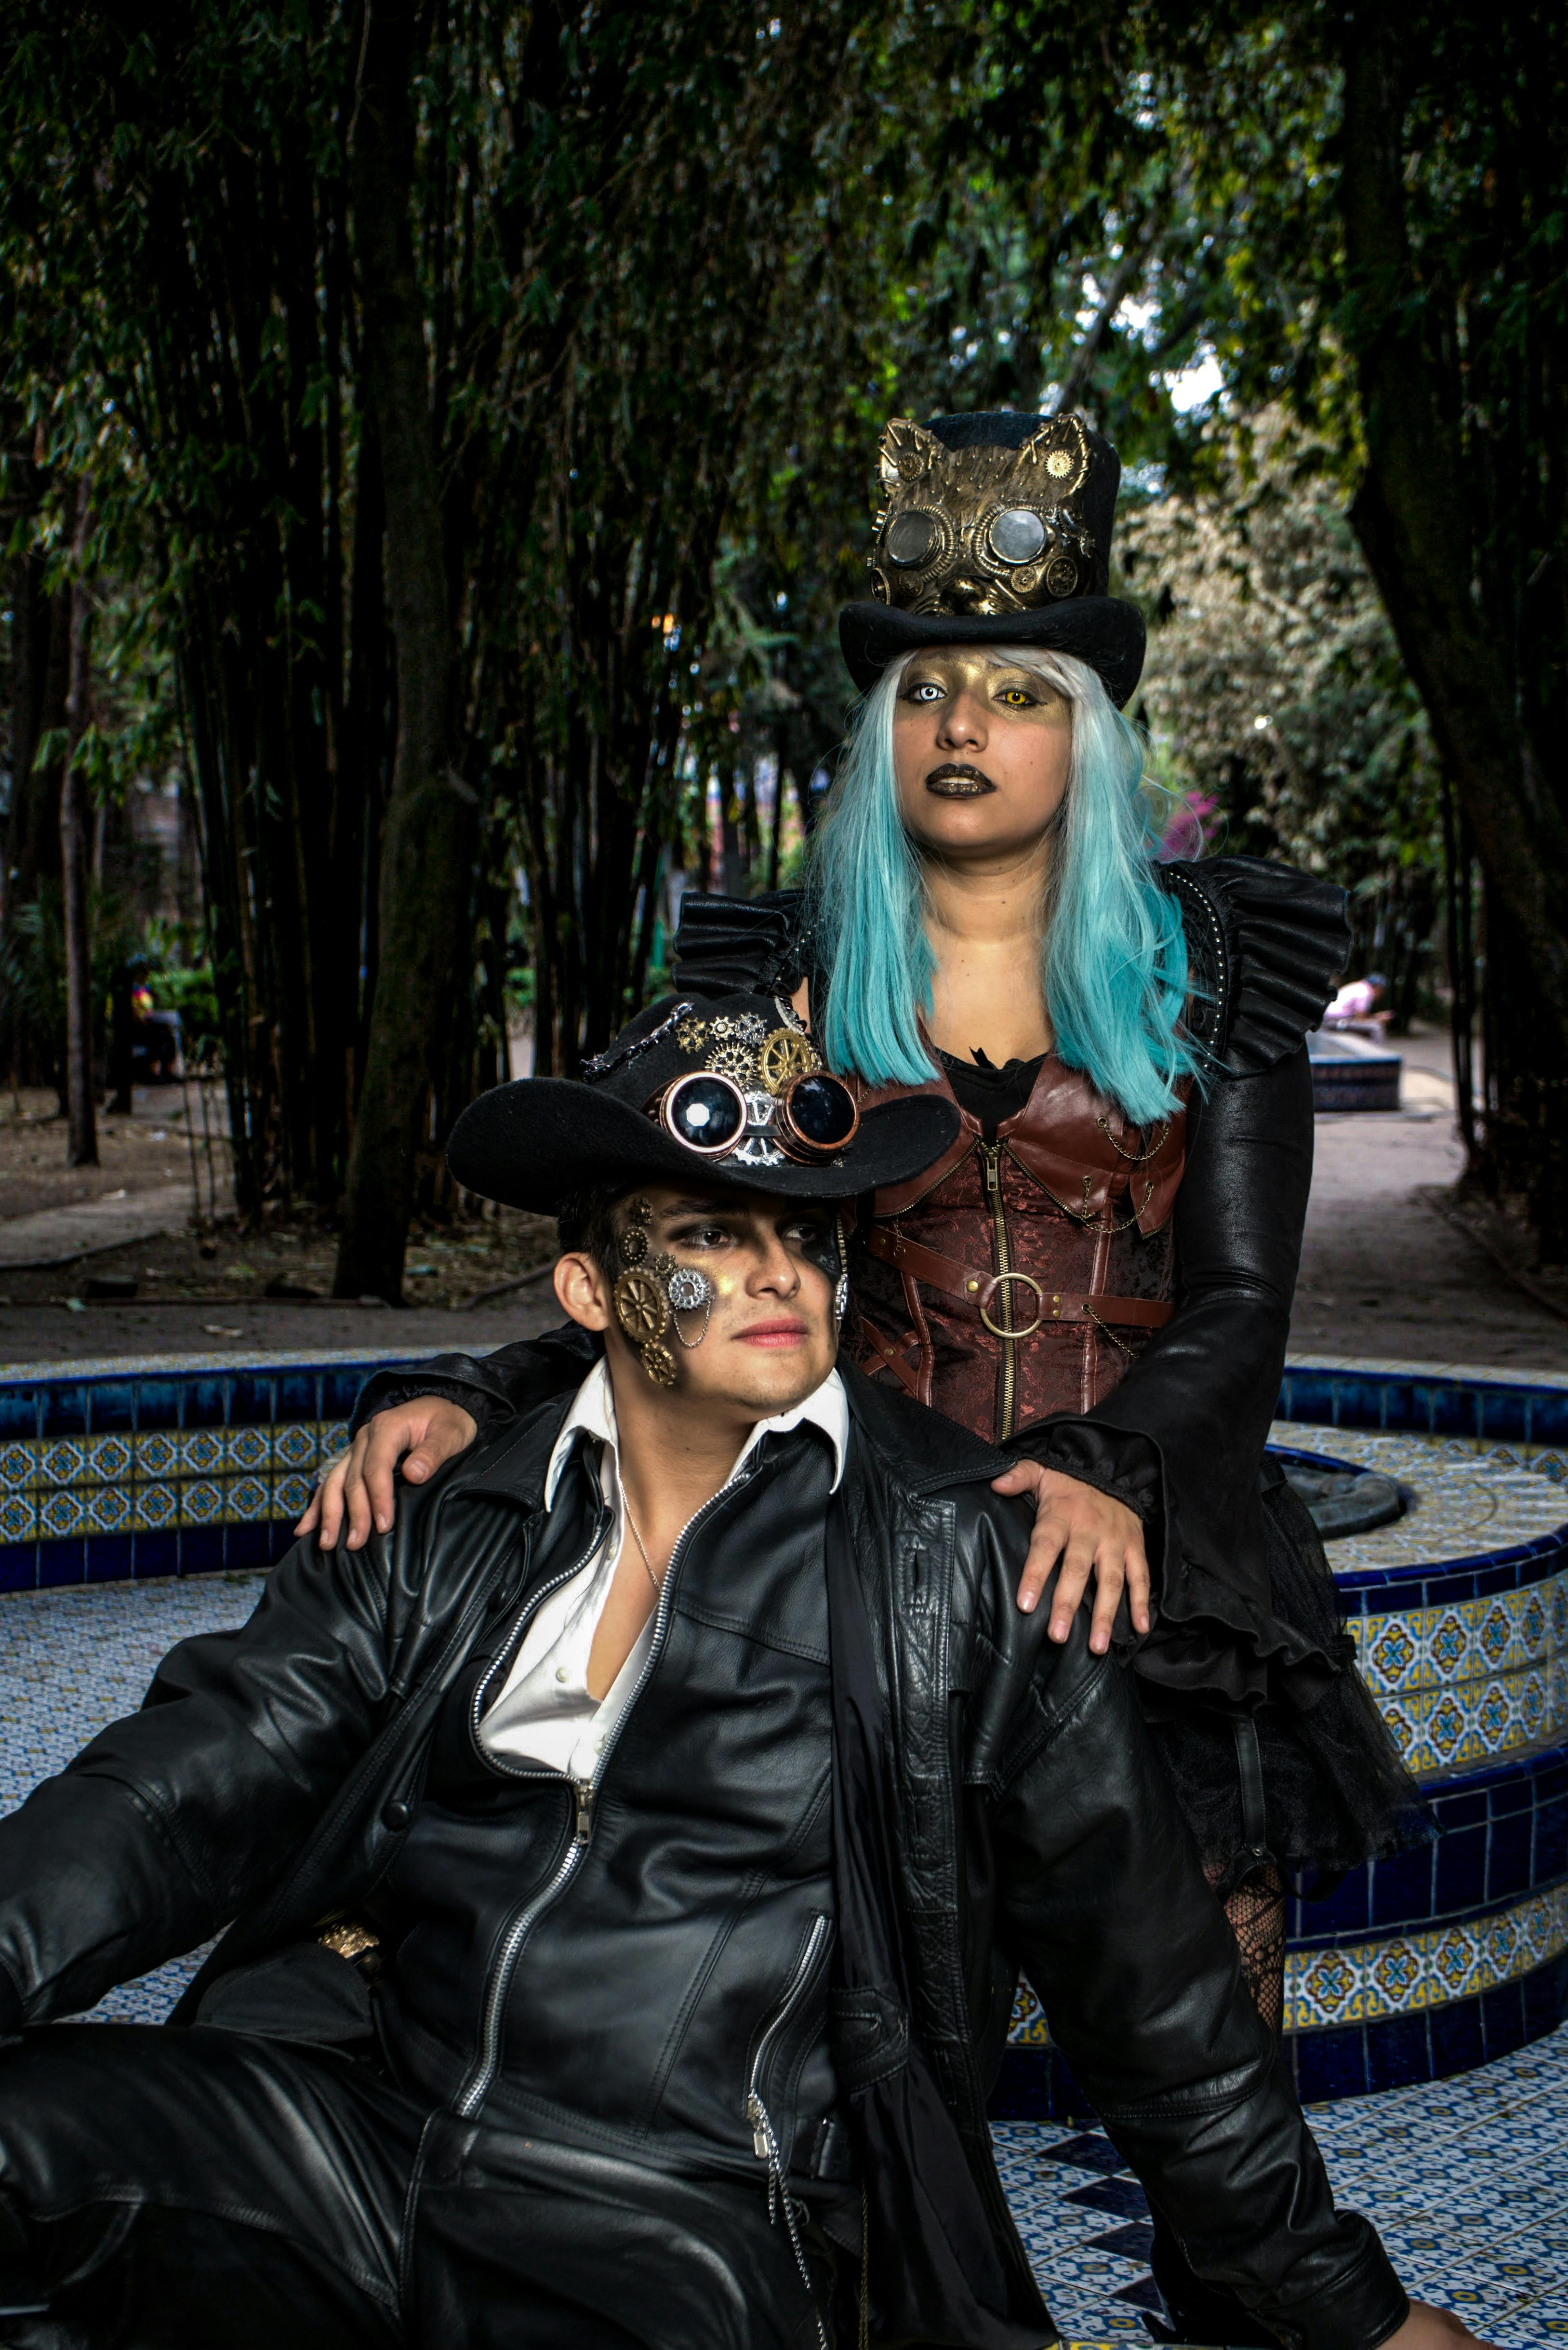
810	1121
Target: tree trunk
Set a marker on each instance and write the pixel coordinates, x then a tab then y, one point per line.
431	823
76	829
1410	518
32	829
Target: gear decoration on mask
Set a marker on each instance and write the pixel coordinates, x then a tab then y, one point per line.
661	1265
784	1056
659	1364
633	1244
689	1289
740	1027
641	1307
734	1060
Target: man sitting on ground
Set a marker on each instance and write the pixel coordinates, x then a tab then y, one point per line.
627	1861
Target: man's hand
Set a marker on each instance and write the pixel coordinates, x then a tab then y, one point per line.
358	1483
1426	2328
1089	1532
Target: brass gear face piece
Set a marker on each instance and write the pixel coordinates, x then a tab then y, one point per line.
641	1307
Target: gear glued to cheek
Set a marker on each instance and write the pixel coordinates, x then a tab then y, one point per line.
653	1293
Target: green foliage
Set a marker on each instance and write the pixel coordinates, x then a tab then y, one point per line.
678	268
1273	681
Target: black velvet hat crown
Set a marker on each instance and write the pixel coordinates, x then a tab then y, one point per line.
995	529
725	1091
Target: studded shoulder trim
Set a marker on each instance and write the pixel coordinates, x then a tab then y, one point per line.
1266	946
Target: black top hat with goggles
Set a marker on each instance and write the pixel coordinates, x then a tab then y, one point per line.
995	529
729	1090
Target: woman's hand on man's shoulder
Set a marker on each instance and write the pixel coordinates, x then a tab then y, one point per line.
355	1489
1087	1534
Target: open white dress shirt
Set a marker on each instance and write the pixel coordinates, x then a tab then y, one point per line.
544	1713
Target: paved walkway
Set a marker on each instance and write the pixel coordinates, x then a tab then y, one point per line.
61	1235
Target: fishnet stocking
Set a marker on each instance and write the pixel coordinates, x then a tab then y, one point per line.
1256	1911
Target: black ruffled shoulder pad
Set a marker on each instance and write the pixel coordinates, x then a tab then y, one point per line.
728	946
1268	944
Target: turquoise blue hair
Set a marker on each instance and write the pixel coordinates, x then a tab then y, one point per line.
1114	957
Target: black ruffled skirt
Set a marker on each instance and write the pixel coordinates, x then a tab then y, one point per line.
1336	1791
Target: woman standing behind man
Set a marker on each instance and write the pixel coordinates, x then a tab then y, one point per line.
1097	1275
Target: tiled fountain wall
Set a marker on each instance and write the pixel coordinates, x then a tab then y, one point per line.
1411	1968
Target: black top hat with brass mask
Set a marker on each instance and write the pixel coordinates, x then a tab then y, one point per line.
995	529
725	1091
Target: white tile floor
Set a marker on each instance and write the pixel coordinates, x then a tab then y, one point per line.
1467	2180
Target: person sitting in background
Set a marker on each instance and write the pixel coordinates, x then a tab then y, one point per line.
1354	1005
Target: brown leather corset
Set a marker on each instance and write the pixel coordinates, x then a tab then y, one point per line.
1022	1277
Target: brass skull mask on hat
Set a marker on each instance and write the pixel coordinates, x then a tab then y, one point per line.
984	529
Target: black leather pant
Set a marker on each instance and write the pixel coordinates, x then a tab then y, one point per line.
209	2190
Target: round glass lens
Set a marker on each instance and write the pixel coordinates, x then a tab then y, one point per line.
822	1110
1017	536
912	536
705	1112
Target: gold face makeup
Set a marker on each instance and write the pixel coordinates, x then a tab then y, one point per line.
982	749
659	1293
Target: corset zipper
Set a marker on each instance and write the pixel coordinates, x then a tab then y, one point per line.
991	1157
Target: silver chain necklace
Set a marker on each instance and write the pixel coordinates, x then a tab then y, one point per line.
637	1537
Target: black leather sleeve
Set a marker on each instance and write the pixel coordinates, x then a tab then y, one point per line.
1186	1427
496	1388
1103	1903
160	1830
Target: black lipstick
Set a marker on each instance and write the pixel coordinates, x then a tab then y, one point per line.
957	781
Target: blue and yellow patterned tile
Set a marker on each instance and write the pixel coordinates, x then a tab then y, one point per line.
156	1453
18	1466
202	1452
291	1496
1409	1972
296	1444
109	1508
201	1502
247	1500
19	1517
249	1449
155	1505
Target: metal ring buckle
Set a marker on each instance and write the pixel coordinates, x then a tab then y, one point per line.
995	1327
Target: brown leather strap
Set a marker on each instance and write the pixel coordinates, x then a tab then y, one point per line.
894	1356
979	1287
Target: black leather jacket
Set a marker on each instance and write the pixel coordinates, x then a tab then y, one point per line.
698	1867
271	1780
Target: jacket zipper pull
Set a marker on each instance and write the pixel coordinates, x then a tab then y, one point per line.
585	1794
989	1150
756	2114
